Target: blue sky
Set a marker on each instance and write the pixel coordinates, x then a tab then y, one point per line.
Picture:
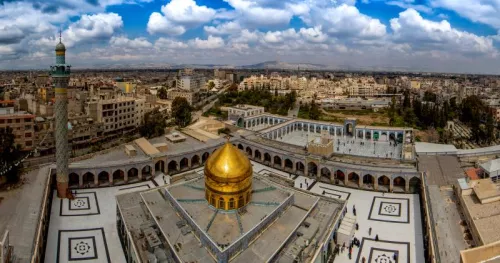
423	35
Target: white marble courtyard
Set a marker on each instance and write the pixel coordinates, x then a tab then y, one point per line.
84	229
349	145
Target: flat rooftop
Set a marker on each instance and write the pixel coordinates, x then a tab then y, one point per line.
443	170
485	217
118	155
141	209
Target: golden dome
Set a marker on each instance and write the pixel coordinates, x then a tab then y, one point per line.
228	178
228	164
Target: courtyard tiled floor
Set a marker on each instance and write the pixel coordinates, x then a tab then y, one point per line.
349	145
84	229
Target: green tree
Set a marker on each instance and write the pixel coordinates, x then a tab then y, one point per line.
10	155
153	124
162	93
211	85
490	128
409	117
181	111
314	112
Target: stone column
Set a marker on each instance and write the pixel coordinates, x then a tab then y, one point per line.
391	185
96	178
80	180
407	184
375	183
346	177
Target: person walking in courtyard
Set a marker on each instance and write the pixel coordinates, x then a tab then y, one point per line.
357	226
363	260
370	231
376	237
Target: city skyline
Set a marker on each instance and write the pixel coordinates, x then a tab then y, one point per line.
434	35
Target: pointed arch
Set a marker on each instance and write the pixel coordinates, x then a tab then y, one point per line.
277	161
258	155
88	178
384	183
326	175
133	174
204	157
267	157
118	176
103	178
172	167
368	181
184	164
353	178
249	151
195	161
74	179
415	184
339	177
312	169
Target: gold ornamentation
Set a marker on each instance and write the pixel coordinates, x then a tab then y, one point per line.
228	178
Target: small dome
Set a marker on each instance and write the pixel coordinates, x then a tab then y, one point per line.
228	164
60	47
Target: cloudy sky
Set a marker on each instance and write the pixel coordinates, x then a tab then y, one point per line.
426	35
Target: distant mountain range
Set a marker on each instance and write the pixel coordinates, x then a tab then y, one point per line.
285	65
264	65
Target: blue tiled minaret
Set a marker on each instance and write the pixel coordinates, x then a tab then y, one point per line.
60	73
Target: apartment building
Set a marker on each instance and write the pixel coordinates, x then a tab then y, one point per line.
22	124
190	96
361	90
193	83
116	114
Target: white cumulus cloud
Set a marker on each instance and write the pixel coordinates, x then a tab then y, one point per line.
210	43
178	16
93	28
136	43
422	34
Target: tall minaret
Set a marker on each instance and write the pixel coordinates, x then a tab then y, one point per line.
60	77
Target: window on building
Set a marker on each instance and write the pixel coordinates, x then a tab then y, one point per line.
18	120
29	143
27	127
27	135
27	120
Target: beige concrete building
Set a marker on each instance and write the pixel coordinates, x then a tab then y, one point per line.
22	124
480	202
116	115
190	96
